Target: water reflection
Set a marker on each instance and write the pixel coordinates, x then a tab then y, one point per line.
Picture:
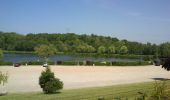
31	57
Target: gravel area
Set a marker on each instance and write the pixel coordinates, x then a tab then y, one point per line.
25	78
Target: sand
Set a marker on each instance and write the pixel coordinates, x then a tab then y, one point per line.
25	78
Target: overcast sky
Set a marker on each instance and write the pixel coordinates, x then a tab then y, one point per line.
135	20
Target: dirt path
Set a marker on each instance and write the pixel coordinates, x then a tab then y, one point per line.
25	78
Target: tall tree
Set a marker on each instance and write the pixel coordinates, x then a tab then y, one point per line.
69	42
111	50
1	54
166	64
101	49
45	51
165	49
123	50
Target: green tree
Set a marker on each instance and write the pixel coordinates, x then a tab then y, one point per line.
123	50
48	82
101	49
70	42
85	49
80	49
148	49
90	49
118	45
111	50
45	51
166	64
24	45
1	53
135	48
165	49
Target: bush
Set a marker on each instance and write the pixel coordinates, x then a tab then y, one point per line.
69	63
59	62
48	82
51	63
137	63
5	63
160	92
36	63
89	62
32	63
166	64
3	78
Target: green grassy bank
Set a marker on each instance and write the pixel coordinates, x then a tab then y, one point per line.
129	91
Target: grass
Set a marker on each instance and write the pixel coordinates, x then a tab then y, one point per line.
108	92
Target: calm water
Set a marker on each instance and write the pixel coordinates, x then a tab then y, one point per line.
31	57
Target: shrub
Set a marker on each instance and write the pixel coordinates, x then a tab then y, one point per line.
5	63
137	63
51	63
89	62
59	62
3	78
142	96
160	92
166	64
34	63
69	63
48	82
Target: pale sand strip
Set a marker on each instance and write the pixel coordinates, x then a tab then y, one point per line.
25	78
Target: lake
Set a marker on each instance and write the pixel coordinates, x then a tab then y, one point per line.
9	57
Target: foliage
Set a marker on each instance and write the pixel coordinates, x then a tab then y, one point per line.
138	63
160	92
71	43
48	82
97	63
3	78
111	50
166	64
45	50
32	63
101	50
142	96
85	49
5	63
165	49
69	63
123	50
1	54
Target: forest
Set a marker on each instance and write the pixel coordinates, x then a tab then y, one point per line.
76	43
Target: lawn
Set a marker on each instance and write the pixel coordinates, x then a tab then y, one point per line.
108	92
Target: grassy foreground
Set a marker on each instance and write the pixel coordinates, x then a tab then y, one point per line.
108	92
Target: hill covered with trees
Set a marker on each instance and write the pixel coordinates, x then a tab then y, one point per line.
74	43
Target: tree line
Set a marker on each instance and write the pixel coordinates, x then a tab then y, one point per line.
75	43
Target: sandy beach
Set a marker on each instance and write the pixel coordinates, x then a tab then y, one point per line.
25	78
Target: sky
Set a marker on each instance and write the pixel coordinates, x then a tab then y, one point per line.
134	20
